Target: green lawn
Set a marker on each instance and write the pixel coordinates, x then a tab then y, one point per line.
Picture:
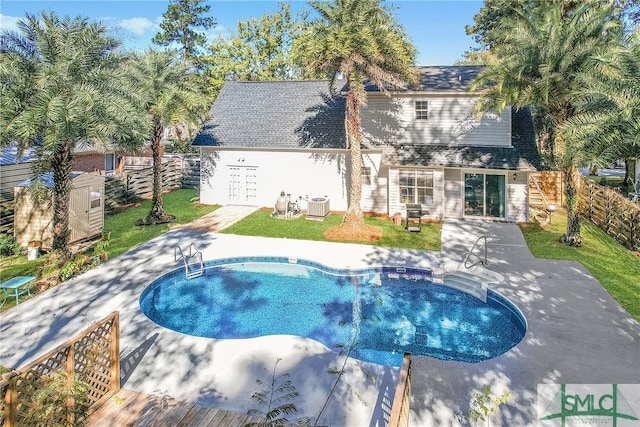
124	235
614	266
260	223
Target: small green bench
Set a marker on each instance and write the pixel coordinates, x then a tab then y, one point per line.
15	287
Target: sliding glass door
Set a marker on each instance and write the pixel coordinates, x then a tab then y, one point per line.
484	195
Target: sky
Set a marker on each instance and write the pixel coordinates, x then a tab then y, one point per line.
436	27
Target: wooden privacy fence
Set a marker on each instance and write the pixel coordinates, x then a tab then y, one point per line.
401	401
612	212
92	357
133	185
6	215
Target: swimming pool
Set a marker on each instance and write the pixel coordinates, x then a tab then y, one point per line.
377	313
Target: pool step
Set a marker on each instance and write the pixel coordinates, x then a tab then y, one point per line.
468	283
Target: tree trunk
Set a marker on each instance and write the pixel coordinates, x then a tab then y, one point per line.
629	173
62	165
157	213
571	175
354	217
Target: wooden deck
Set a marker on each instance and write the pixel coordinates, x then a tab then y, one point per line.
130	408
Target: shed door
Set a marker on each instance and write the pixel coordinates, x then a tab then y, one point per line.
79	214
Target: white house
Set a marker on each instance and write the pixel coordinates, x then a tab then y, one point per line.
422	145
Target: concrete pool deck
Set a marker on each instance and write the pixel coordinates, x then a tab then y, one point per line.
577	332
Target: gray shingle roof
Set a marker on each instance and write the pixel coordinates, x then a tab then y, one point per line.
291	114
456	79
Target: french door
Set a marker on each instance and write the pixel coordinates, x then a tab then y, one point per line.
243	183
484	195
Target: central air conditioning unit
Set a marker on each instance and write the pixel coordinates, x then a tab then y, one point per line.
318	208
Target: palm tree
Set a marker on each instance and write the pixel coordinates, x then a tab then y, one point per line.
608	128
358	40
170	98
63	85
537	60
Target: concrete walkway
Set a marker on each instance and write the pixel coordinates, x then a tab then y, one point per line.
577	332
219	219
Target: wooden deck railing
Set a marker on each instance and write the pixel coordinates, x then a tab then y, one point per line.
92	356
400	410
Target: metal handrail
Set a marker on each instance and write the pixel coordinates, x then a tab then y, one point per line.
480	260
193	252
175	253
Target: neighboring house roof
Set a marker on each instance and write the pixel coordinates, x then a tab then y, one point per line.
439	79
291	114
9	155
522	155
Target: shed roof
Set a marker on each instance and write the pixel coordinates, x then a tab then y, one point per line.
47	179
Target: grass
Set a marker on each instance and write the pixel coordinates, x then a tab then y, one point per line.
260	223
614	266
124	235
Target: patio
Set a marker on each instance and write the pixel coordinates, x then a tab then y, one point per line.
573	326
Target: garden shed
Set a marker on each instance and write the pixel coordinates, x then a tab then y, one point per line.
33	223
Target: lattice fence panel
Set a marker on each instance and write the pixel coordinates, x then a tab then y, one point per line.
91	358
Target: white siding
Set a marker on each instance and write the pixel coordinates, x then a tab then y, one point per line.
518	197
374	195
300	174
453	193
452	121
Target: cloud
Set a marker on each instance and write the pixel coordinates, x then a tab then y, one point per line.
9	23
136	25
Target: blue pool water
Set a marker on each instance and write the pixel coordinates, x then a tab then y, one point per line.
379	313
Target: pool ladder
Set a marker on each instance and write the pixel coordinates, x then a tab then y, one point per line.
193	264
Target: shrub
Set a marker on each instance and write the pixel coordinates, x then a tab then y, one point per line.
8	245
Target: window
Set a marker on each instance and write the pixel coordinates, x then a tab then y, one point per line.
416	186
95	199
422	110
366	175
